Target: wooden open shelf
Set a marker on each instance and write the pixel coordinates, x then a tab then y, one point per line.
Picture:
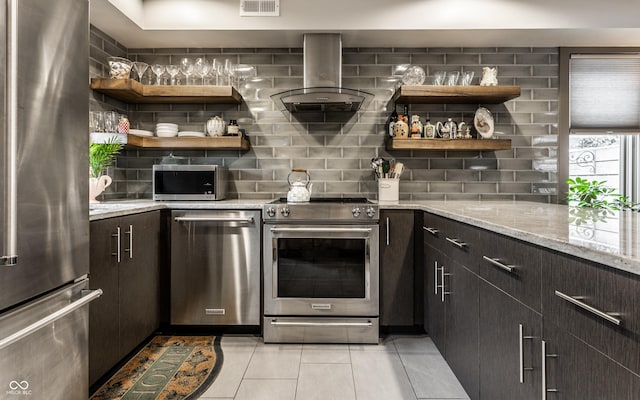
429	94
131	91
219	143
449	144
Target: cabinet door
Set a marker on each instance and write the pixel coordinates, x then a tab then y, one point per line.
433	297
139	280
583	297
396	268
461	324
103	312
509	347
575	371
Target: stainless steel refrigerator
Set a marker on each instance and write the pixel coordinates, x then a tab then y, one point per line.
44	227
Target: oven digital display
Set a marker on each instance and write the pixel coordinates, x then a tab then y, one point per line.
321	268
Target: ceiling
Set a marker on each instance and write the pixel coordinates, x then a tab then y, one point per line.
372	23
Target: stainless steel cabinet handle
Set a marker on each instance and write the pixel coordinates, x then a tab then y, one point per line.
544	370
214	219
521	339
435	276
432	231
388	231
443	291
326	324
457	243
9	251
118	248
86	298
576	301
320	230
497	263
130	249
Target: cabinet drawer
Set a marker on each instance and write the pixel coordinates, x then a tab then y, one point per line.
588	300
455	239
512	266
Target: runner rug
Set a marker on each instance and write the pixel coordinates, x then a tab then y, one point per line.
169	367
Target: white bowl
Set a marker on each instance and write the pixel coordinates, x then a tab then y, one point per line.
167	125
166	134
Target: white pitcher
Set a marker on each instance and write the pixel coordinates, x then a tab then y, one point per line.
97	186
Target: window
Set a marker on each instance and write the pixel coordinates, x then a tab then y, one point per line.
599	123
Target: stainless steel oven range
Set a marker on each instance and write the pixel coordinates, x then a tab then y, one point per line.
321	271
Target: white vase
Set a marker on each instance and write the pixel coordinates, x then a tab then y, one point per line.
97	186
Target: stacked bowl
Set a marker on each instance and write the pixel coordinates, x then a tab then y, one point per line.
166	130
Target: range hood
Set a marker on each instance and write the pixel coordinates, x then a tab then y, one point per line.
322	89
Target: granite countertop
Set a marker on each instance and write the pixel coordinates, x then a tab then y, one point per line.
612	239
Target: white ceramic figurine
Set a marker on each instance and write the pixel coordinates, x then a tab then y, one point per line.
489	77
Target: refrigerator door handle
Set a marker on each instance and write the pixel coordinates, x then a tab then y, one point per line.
87	297
9	251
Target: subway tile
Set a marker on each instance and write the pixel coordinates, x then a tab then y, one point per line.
497	176
532	176
497	59
288	59
542	70
462	175
393	58
445	187
309	163
445	50
359	58
461	59
479	188
532	106
507	187
532	82
427	59
451	163
533	58
427	175
505	71
256	59
515	164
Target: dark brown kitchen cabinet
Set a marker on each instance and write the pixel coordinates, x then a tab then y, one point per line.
434	297
575	371
396	268
513	266
509	342
124	263
597	304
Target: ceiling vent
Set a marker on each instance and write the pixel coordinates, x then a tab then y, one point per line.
259	8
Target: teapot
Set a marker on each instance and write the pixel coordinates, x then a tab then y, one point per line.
216	126
300	190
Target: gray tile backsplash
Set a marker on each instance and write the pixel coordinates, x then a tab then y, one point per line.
337	149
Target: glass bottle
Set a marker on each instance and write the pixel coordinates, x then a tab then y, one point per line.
429	130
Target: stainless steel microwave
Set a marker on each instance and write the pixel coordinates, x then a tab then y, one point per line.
189	182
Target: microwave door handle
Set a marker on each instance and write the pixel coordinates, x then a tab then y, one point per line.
9	250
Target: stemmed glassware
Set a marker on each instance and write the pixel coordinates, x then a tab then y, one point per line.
158	70
201	67
141	68
214	71
186	66
228	71
173	70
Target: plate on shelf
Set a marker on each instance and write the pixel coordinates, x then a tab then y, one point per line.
140	132
190	134
483	122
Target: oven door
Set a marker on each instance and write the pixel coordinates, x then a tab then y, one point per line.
321	270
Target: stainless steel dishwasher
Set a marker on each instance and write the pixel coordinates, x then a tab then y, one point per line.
215	267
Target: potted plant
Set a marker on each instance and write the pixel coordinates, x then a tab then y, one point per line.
101	156
595	194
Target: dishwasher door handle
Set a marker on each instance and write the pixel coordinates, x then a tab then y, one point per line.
248	220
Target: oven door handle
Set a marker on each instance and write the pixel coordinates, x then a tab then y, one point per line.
326	324
321	230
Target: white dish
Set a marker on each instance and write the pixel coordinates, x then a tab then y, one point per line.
190	134
166	134
167	125
483	122
140	132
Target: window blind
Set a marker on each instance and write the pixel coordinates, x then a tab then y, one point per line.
604	93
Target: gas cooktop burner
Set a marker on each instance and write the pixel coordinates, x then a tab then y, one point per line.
340	200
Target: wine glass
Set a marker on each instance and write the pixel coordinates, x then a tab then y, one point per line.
158	70
186	67
201	67
173	70
214	70
228	71
141	68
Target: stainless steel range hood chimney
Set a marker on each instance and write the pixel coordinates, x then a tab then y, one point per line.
322	89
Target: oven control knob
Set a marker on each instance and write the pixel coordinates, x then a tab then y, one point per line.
356	212
371	212
271	212
285	211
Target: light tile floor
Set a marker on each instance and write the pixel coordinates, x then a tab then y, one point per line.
399	368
